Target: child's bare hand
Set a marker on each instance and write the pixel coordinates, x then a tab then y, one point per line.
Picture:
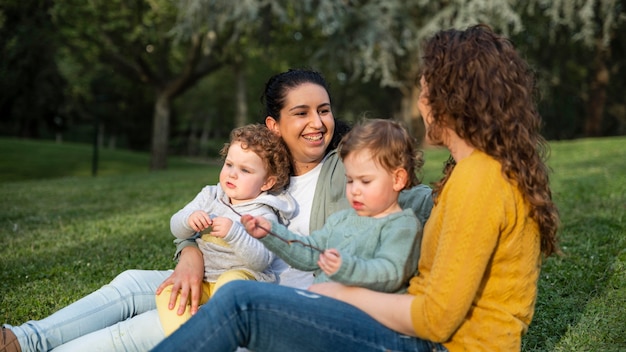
199	220
255	225
329	261
221	226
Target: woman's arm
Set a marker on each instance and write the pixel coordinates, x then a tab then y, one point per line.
186	278
390	309
189	272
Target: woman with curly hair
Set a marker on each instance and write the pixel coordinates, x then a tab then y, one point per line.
492	224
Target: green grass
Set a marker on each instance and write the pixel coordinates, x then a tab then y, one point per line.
35	159
65	233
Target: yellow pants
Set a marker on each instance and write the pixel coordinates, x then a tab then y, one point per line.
171	321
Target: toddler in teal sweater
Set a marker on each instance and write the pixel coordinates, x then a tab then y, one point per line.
373	244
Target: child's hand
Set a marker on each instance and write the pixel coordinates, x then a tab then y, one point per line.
199	220
221	226
329	261
255	225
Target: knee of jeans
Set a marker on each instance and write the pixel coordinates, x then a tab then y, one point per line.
126	277
132	282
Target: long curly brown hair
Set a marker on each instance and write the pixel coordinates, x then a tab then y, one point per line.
481	88
269	147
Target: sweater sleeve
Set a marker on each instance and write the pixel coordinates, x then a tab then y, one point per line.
418	198
178	222
298	256
459	240
248	248
393	263
185	236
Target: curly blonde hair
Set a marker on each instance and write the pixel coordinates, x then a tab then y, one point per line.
481	88
269	147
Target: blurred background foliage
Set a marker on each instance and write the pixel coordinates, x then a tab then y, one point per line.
174	77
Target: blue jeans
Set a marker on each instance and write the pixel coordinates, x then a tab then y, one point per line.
120	316
266	317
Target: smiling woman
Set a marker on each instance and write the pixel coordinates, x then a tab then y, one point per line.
114	316
476	283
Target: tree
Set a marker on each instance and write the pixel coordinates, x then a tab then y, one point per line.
30	83
139	41
595	24
381	40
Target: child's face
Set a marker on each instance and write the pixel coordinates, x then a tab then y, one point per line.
371	189
243	176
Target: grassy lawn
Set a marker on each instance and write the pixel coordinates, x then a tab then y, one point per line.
65	233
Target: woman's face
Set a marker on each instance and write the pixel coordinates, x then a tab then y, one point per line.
424	107
306	125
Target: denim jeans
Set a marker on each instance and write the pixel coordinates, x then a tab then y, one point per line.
120	316
266	317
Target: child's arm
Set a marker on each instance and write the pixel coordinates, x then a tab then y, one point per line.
248	248
295	254
394	261
179	222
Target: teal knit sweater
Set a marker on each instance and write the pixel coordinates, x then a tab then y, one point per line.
376	253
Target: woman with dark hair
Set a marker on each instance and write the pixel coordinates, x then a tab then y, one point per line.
492	224
122	315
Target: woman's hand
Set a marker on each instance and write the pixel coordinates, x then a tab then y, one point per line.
329	261
255	226
187	278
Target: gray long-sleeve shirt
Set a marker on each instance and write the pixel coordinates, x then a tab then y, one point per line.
237	250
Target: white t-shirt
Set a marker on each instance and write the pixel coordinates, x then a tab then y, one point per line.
302	188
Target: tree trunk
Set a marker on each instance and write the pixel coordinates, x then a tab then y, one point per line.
241	109
205	135
192	143
600	78
160	131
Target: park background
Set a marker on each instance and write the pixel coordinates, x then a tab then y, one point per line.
142	94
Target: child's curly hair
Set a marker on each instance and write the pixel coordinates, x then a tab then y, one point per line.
269	147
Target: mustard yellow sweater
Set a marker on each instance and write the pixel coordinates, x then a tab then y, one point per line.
479	264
